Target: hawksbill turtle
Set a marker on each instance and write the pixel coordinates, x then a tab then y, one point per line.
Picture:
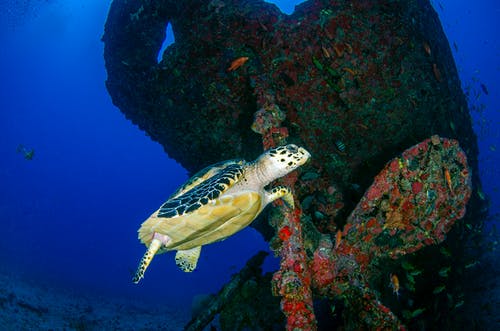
215	203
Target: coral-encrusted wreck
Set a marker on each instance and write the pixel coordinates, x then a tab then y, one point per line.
356	83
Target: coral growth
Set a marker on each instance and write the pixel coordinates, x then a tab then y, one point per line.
412	203
350	81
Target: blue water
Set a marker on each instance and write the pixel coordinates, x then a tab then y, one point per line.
69	216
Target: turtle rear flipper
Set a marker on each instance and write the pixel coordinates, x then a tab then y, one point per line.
187	259
146	259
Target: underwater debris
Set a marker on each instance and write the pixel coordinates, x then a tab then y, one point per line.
365	236
252	267
340	270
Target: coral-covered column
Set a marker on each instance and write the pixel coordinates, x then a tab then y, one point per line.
293	281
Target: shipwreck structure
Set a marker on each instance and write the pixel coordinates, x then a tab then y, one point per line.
355	82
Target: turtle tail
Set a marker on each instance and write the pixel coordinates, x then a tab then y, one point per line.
146	260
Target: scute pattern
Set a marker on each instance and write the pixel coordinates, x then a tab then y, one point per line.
203	175
203	192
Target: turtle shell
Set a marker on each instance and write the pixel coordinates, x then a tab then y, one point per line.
199	213
205	174
204	186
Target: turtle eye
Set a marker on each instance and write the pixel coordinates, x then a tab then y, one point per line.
292	148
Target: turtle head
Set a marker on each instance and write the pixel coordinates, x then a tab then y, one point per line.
279	161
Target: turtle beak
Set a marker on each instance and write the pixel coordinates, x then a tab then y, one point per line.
146	259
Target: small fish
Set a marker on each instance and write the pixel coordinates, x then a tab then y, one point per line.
310	175
415	272
339	50
237	63
317	64
439	289
349	70
455	46
447	177
340	146
480	194
472	264
28	153
484	88
493	147
446	252
319	215
443	272
326	53
394	284
427	48
417	312
338	239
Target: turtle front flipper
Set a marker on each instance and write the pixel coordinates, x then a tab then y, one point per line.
187	259
281	192
146	259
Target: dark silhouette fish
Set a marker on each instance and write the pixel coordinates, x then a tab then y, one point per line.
28	153
484	88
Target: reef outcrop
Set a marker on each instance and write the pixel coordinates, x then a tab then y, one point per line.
356	83
358	79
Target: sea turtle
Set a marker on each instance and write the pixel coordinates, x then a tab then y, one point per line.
215	203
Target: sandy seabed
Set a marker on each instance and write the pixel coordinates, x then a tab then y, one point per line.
25	306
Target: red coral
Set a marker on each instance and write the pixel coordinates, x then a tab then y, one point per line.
285	233
416	187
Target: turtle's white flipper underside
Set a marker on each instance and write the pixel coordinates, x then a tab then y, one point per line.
187	259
